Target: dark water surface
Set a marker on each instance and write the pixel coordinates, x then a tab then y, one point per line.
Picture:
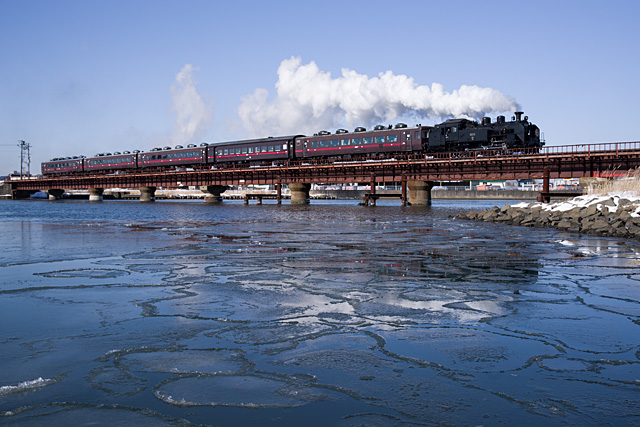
181	313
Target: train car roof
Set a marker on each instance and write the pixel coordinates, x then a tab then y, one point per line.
255	141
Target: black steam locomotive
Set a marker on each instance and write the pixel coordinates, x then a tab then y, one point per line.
451	135
462	134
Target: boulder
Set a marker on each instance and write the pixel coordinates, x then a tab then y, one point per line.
568	225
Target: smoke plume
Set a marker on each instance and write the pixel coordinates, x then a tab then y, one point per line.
193	115
309	99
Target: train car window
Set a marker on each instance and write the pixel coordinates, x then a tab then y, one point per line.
264	149
244	150
270	149
379	139
335	143
324	144
392	138
250	150
314	144
164	156
425	134
344	142
417	134
356	141
367	140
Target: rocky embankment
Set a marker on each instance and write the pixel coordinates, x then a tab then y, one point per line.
609	215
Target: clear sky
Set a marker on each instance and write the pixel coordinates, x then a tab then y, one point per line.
82	77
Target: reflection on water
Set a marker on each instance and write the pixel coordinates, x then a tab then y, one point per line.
121	313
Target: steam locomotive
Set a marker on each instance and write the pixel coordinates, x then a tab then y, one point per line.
451	135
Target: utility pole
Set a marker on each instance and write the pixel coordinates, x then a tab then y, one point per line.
25	157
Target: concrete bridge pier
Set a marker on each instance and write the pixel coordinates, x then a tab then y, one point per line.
95	194
147	194
420	192
55	193
279	193
299	193
213	192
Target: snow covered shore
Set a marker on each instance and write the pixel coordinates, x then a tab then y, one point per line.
613	214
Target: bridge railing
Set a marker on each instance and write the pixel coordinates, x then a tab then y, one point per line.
610	147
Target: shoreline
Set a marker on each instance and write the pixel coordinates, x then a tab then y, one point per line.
612	214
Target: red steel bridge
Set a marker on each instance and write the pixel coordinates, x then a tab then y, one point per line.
416	171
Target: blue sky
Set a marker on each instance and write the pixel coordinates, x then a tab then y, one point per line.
82	77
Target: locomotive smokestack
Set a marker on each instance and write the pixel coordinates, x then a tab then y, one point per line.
518	115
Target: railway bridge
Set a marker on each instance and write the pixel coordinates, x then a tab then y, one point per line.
416	172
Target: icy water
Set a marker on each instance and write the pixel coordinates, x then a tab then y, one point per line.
332	314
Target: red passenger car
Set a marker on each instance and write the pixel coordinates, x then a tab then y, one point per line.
61	166
254	150
108	161
179	156
381	139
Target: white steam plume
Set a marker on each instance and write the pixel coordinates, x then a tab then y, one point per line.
309	99
193	115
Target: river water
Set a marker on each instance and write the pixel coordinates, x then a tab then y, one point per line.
331	314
